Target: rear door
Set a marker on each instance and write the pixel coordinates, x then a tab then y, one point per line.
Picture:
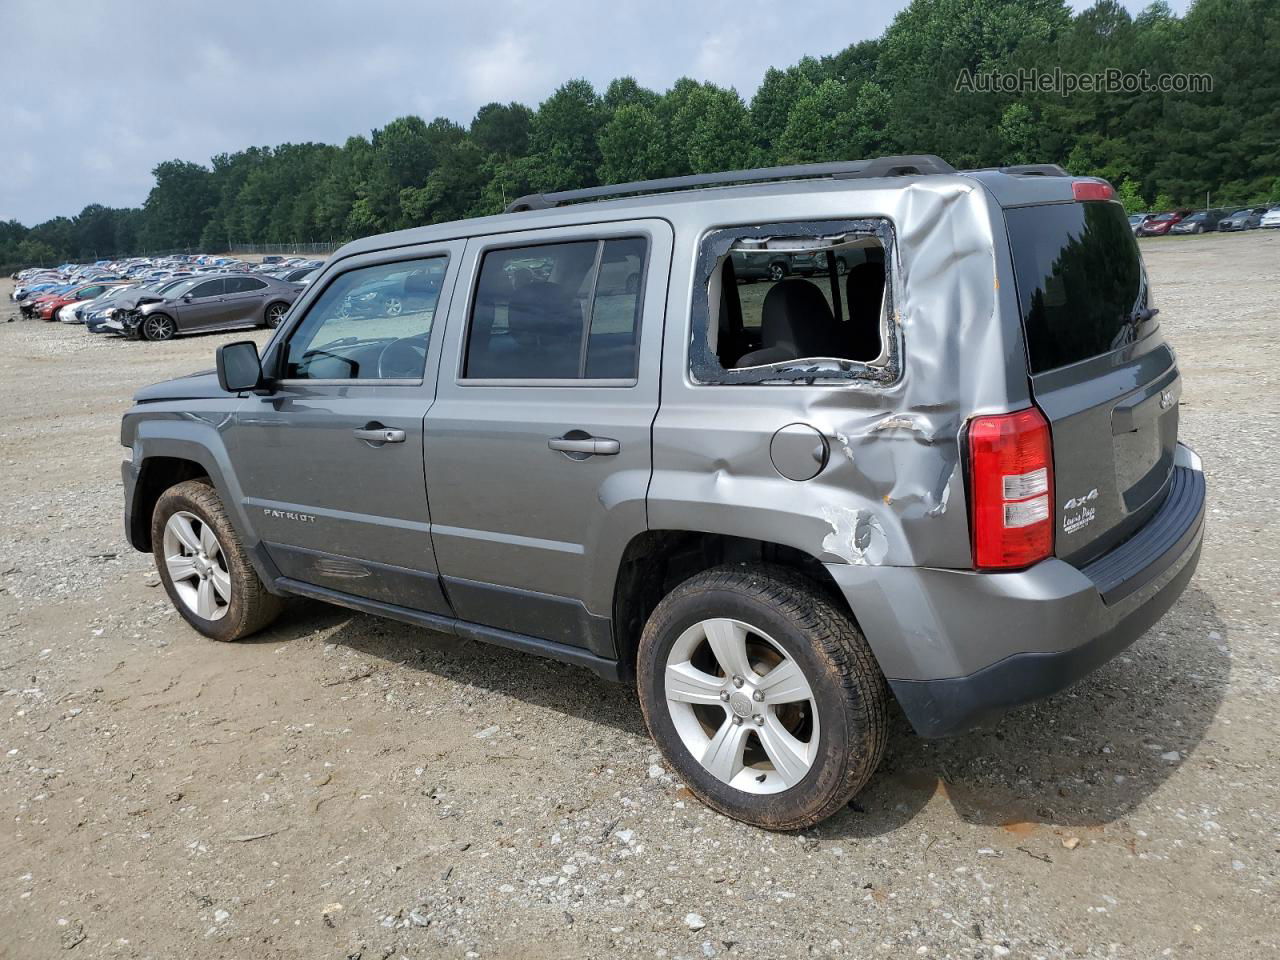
242	301
538	447
1100	369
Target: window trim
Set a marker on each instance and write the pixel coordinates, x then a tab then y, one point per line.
280	347
597	236
702	365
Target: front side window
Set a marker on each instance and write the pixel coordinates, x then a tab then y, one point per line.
372	323
562	311
210	288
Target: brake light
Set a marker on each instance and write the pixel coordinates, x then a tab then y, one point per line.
1092	190
1010	489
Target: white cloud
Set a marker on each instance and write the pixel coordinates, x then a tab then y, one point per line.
189	81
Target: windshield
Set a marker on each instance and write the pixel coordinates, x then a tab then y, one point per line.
1197	216
1080	280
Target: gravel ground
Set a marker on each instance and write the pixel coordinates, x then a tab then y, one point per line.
347	787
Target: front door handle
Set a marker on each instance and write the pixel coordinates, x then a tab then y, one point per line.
587	446
380	435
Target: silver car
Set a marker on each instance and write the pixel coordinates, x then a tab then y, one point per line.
950	477
204	304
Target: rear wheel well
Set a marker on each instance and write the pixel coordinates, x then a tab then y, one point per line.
657	561
156	475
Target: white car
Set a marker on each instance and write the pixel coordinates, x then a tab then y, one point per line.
1271	219
67	314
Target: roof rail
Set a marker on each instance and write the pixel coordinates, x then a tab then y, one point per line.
840	170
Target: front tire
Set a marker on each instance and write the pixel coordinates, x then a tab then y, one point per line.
763	695
777	272
158	326
204	567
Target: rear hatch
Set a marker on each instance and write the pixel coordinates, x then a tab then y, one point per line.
1100	370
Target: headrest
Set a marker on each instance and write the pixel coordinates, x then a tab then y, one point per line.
539	312
864	288
792	307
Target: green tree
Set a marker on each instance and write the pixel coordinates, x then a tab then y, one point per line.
502	128
632	145
563	137
178	206
1130	198
822	127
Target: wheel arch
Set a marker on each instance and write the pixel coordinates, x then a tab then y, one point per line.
656	561
156	475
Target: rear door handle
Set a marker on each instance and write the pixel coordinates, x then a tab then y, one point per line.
380	435
591	446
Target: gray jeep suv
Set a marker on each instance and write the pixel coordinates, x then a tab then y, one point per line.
950	477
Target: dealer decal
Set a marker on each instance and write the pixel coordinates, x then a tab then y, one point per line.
1071	522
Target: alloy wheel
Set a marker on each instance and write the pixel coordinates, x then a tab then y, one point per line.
274	314
742	706
196	564
393	306
158	328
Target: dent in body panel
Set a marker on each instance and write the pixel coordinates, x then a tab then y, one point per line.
889	496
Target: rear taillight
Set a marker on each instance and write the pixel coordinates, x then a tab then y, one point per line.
1010	490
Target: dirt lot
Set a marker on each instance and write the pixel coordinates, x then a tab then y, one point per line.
348	787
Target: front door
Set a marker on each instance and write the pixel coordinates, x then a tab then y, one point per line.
200	307
330	463
538	451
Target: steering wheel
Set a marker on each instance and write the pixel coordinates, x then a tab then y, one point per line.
403	359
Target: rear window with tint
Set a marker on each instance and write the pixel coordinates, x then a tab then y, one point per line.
1081	285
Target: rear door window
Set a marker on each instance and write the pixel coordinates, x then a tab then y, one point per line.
1081	286
562	311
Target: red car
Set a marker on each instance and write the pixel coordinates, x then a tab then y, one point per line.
47	307
1159	225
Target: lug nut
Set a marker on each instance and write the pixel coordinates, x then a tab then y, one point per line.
758	696
759	719
737	721
724	695
738	681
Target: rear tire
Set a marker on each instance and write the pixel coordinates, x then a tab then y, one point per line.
192	537
721	728
274	314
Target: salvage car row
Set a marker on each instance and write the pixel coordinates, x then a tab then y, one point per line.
1219	219
158	299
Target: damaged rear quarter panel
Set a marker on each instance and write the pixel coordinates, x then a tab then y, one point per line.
892	492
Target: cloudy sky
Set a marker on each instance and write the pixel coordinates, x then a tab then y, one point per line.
96	93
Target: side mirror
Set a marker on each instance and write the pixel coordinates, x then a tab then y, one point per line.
186	298
239	367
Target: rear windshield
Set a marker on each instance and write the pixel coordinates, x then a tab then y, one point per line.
1081	286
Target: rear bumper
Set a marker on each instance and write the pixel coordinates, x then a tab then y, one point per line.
959	647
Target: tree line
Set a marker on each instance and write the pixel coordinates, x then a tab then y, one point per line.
900	93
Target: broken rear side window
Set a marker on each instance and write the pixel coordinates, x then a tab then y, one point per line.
795	302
